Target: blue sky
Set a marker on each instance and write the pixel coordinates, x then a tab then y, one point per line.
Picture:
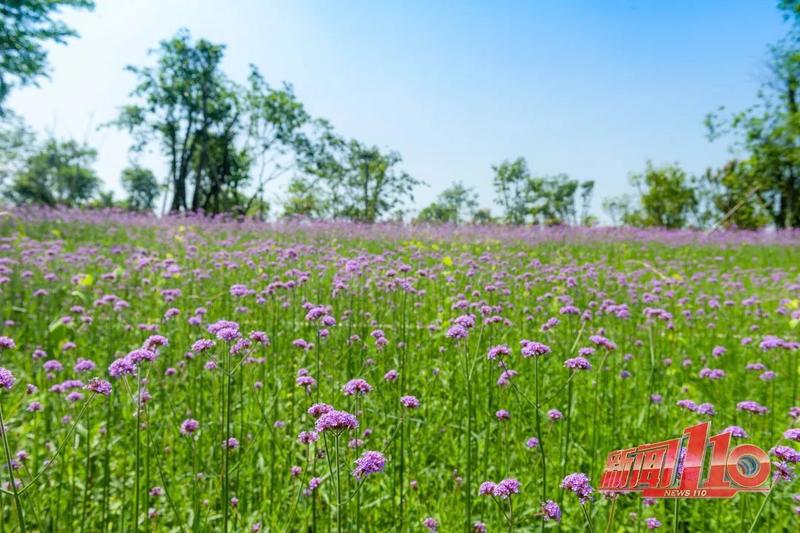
593	89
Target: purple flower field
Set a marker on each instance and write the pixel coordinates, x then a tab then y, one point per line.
188	374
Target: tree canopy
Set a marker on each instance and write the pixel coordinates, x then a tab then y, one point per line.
56	173
26	27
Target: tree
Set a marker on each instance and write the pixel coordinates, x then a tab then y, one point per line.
58	173
483	216
180	98
26	27
455	204
730	195
141	186
372	185
553	199
667	199
306	198
214	133
511	181
351	180
16	146
540	199
618	208
768	137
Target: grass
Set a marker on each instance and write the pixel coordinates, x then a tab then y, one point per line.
93	462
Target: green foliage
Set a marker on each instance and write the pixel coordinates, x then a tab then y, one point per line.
540	200
483	216
57	173
141	186
667	199
370	184
306	199
733	198
510	183
16	145
215	134
26	27
350	180
768	137
455	205
129	274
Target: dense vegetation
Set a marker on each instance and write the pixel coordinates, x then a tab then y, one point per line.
133	348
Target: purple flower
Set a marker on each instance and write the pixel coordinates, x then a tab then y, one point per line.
712	373
7	343
532	442
202	345
432	524
554	415
141	354
53	366
751	406
602	341
259	337
307	437
579	484
356	386
99	386
121	367
410	402
313	483
785	453
652	523
457	331
487	488
228	334
578	363
551	511
533	348
83	365
369	463
154	341
506	488
503	414
706	409
736	431
189	426
498	351
391	375
6	379
718	351
306	381
336	421
319	409
792	434
782	472
238	290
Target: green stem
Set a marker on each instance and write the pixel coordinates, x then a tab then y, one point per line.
588	520
17	501
539	431
138	451
761	510
675	516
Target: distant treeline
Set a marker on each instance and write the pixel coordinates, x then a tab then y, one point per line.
225	142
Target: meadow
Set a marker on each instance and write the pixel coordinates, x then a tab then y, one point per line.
197	375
